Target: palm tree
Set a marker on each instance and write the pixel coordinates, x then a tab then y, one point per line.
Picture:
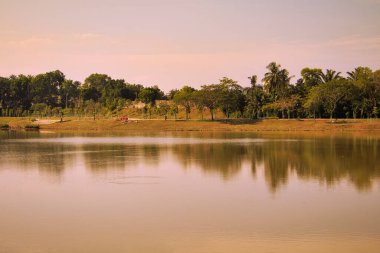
330	75
276	80
359	73
253	80
352	75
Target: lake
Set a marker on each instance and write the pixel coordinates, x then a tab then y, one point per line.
188	192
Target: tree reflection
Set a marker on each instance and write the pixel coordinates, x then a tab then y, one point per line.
223	159
101	158
326	160
49	159
331	160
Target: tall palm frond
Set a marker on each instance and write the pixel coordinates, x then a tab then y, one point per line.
253	80
363	73
276	79
330	75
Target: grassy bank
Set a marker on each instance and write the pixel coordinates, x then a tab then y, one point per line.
233	125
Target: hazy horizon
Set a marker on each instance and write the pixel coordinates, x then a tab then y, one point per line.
174	43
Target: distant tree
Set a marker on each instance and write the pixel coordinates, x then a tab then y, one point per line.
368	89
209	96
198	102
45	88
92	108
19	98
164	109
40	109
330	75
291	103
97	81
5	96
174	110
332	92
255	98
231	98
132	91
360	73
300	87
276	80
376	91
184	97
171	93
314	101
90	93
253	80
99	87
69	93
115	104
317	93
356	102
311	77
149	95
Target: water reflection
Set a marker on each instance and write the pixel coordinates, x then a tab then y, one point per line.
112	157
50	160
327	160
223	159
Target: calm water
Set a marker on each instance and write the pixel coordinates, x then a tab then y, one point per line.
188	193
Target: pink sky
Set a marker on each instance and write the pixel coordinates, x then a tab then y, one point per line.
172	43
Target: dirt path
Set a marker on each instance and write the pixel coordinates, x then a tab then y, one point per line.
46	121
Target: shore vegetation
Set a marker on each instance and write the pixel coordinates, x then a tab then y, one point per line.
318	94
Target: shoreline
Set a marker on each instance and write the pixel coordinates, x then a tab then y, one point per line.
224	125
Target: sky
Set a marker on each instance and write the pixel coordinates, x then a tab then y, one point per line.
172	43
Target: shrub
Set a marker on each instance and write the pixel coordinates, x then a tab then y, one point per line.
32	127
4	126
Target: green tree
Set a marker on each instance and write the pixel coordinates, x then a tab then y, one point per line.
209	97
45	88
69	93
164	109
368	89
19	92
132	91
360	74
376	91
97	81
5	96
276	80
314	101
40	109
198	102
255	98
330	75
231	98
311	77
171	94
174	110
149	96
184	97
332	92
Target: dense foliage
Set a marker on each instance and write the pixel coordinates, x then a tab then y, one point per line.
317	93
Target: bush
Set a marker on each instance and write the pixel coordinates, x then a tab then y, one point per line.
32	127
4	126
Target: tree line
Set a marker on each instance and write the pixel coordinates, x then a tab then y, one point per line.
317	94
